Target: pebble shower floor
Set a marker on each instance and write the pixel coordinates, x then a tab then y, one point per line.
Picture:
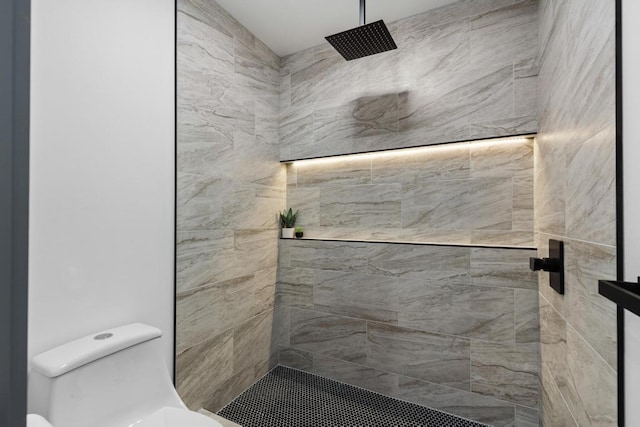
287	397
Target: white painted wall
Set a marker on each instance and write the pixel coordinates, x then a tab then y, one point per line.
631	147
102	168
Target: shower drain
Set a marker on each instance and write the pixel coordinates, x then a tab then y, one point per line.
287	397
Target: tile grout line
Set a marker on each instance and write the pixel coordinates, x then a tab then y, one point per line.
399	327
578	334
313	355
405	279
564	237
564	400
405	376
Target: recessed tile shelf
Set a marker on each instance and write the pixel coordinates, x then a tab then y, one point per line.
350	188
499	139
397	242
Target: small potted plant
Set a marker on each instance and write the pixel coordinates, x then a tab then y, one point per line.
299	232
288	222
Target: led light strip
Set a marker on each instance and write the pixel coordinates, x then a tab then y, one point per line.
413	151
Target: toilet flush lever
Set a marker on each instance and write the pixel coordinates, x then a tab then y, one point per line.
554	265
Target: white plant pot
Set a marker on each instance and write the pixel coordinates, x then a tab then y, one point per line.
288	233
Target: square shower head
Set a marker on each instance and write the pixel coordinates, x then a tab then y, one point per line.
363	41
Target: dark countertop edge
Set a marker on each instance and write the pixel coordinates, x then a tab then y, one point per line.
462	141
399	242
625	294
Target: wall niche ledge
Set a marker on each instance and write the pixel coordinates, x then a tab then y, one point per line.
476	193
397	242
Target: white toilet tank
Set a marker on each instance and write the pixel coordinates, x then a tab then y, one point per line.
111	379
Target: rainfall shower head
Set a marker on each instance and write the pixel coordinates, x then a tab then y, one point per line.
364	40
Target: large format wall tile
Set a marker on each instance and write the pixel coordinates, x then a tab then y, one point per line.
469	405
197	252
295	125
368	206
591	197
550	197
212	357
452	308
527	317
253	346
453	77
336	306
553	341
554	409
572	366
212	15
356	295
297	359
255	248
502	127
589	405
307	202
281	325
575	202
212	309
500	268
350	171
505	372
229	389
527	417
408	321
464	193
447	204
366	116
506	34
417	261
522	216
230	188
328	335
431	357
504	160
525	86
482	92
592	315
295	287
320	255
358	375
264	290
420	167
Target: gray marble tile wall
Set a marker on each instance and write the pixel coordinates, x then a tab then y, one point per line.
230	188
575	201
464	193
462	71
454	328
467	70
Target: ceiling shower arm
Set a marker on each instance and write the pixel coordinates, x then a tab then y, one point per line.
363	9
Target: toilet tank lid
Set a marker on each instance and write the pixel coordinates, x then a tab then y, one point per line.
67	357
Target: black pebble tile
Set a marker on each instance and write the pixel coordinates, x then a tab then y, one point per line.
287	397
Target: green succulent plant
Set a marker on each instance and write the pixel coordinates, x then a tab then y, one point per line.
299	230
288	218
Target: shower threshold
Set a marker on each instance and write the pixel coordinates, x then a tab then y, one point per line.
287	397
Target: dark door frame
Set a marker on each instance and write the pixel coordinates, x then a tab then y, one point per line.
619	213
15	16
